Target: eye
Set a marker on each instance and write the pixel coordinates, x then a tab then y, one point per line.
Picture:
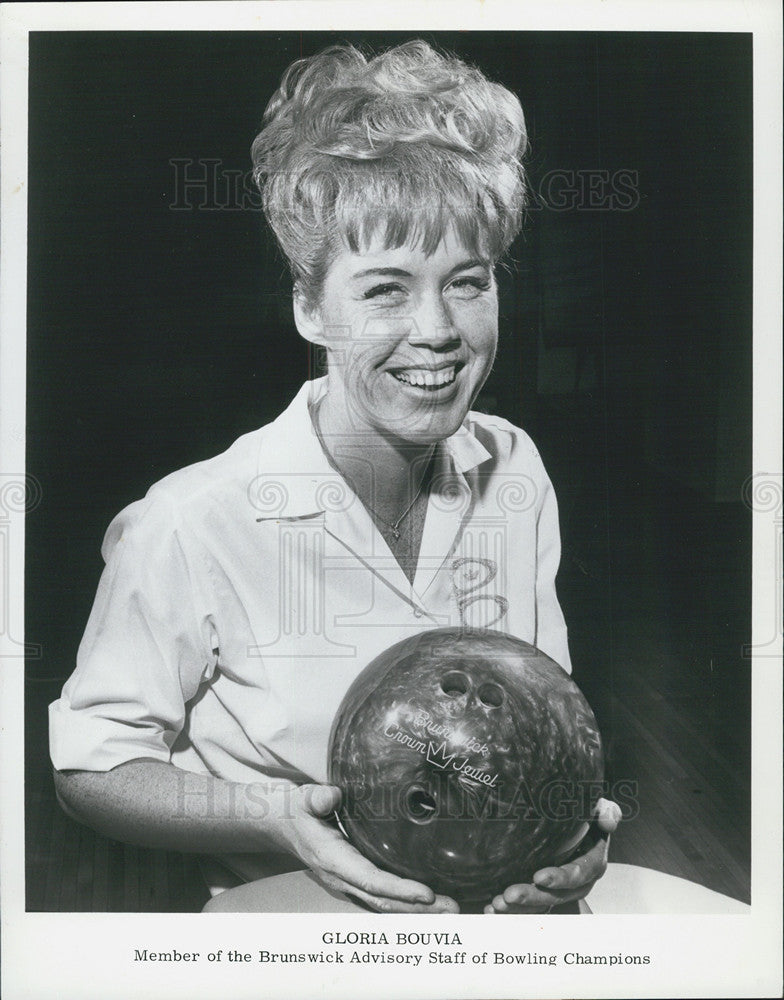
469	286
390	289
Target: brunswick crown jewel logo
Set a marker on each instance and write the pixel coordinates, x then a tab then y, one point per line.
438	755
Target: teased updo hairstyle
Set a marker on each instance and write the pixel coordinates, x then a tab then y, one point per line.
403	145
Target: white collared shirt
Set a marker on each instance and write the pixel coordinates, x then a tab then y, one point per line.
243	595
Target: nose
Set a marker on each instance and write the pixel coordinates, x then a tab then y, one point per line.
432	325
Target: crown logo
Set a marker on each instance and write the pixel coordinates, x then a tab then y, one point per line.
438	755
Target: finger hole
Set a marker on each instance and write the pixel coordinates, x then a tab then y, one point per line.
491	695
455	684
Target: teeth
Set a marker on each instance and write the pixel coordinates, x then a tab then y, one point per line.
426	379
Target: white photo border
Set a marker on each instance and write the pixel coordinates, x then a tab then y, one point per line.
91	955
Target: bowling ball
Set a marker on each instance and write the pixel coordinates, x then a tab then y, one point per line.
468	760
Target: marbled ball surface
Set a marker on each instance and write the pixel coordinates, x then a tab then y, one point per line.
468	761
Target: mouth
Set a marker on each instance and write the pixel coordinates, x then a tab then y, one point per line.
428	379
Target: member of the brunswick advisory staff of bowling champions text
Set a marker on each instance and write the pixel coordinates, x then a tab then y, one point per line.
394	186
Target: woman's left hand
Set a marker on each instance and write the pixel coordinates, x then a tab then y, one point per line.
565	884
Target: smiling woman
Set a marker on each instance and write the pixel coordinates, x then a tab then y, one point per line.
410	340
242	596
393	191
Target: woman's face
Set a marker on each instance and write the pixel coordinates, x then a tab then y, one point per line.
410	339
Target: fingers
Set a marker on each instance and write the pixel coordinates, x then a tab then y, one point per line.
607	815
340	860
320	800
531	899
382	904
341	867
520	899
347	871
588	867
552	886
577	873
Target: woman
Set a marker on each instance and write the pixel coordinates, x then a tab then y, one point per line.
244	594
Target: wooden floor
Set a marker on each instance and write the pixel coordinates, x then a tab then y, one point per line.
659	659
692	797
657	629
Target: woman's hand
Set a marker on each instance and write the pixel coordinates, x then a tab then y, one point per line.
553	886
339	866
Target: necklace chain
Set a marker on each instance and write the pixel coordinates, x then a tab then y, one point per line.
393	527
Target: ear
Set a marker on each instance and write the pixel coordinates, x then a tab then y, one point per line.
307	318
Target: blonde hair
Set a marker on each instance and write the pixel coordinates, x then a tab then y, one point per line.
403	145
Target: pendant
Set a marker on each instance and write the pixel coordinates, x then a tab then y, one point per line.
396	534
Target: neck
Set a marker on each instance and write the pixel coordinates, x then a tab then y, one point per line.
385	472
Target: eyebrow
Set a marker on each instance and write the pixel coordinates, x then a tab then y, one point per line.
397	272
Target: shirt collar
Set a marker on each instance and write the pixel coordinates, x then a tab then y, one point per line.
294	478
466	450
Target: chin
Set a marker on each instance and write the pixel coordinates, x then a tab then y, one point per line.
438	430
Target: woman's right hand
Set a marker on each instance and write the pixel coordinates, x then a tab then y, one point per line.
340	866
155	804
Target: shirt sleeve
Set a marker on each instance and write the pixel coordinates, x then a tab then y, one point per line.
146	649
551	633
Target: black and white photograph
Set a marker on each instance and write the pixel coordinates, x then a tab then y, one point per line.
391	527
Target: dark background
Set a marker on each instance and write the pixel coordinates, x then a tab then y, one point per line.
159	329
